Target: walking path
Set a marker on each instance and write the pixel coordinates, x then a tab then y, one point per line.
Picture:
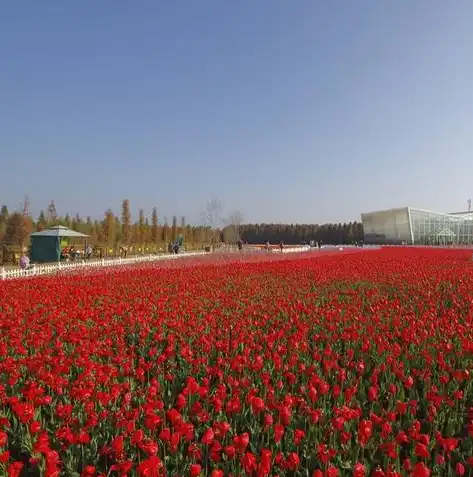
8	273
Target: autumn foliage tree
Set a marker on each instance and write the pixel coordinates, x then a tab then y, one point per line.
174	228
3	220
18	228
154	226
182	229
109	228
126	221
165	235
141	227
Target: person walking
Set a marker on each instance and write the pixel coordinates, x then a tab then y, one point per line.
24	262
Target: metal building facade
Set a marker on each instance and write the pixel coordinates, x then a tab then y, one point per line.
408	225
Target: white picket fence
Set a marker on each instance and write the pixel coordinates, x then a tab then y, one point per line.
261	249
52	268
293	249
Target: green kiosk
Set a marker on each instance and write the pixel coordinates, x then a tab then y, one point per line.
46	245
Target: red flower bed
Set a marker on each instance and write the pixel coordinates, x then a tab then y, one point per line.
348	364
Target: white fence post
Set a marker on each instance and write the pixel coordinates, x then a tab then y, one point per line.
3	273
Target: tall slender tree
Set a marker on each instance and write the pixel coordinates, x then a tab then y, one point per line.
41	223
76	223
182	228
51	213
174	228
147	232
26	206
109	228
141	228
126	222
89	226
165	231
154	226
98	232
3	220
118	231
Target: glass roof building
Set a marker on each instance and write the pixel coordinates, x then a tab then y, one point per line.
417	227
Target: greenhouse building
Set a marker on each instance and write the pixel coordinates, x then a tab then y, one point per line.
417	227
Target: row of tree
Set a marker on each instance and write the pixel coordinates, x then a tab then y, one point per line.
348	233
114	231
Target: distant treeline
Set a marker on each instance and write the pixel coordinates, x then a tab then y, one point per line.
298	233
148	233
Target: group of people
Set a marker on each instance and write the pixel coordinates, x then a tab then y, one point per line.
71	253
267	246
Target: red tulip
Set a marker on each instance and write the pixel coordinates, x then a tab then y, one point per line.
3	439
359	470
420	470
332	471
14	469
208	436
195	470
257	405
460	469
365	430
248	462
88	471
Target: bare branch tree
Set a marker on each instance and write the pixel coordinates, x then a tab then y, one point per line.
51	213
212	217
26	206
233	226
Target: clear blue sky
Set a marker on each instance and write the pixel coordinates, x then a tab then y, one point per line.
290	111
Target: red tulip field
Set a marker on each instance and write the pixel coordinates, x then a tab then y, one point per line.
356	363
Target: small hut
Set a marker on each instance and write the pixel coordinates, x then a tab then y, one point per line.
46	245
